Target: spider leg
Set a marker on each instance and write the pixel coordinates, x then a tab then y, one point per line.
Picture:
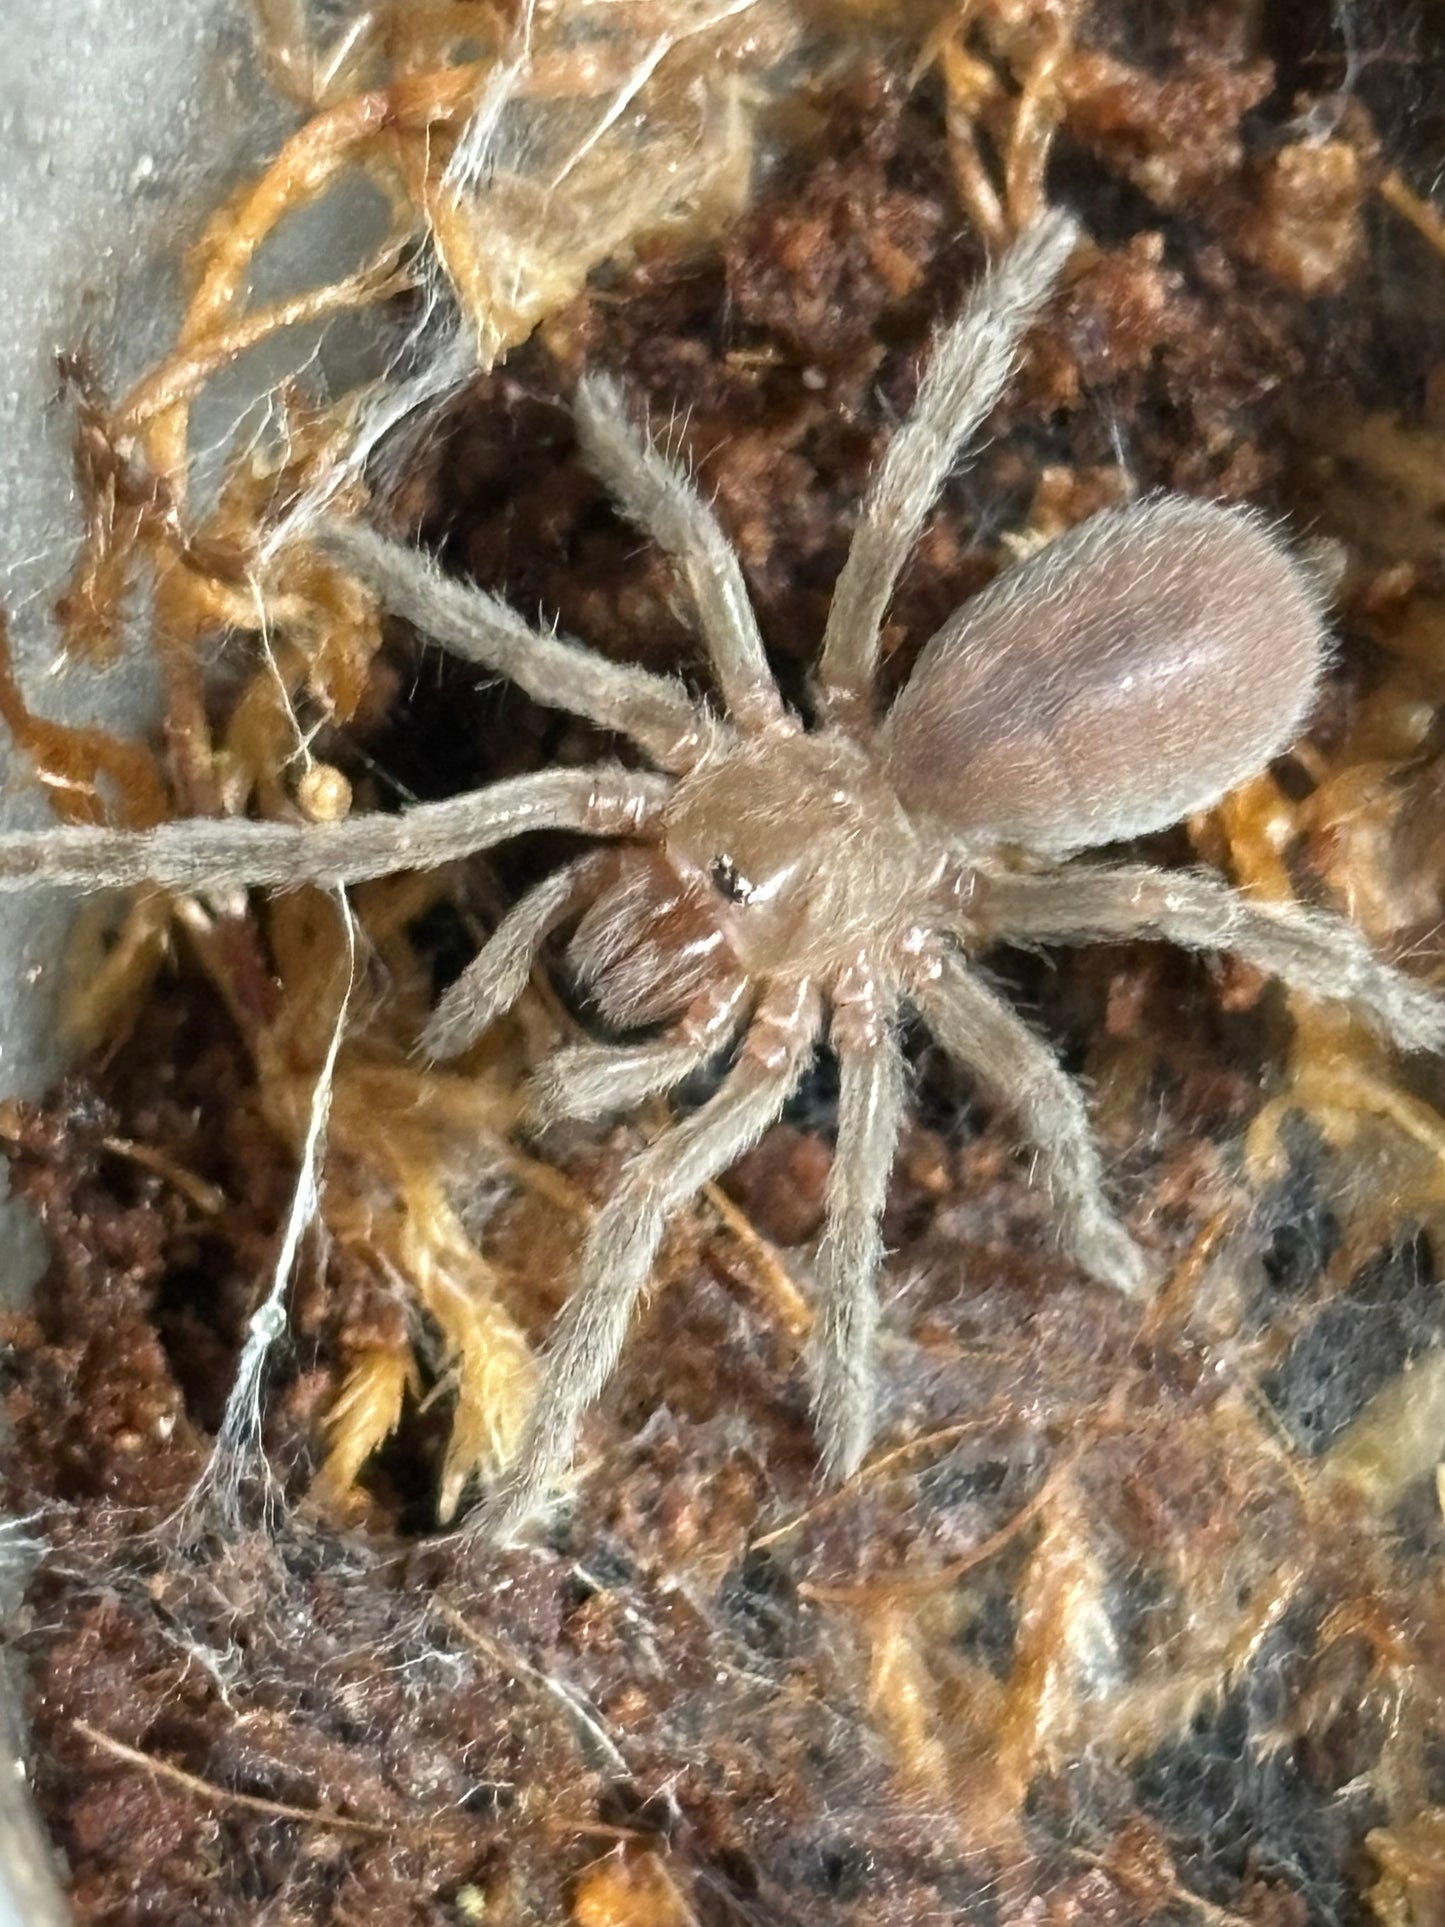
980	1029
496	977
625	1238
206	852
586	1080
656	712
842	1354
1312	952
971	365
663	500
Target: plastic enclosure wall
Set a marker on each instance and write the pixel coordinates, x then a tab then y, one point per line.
120	123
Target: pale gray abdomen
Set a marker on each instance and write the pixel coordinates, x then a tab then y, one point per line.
1134	671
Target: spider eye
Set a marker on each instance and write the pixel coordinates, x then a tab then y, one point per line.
729	879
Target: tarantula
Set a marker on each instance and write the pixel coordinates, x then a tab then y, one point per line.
771	876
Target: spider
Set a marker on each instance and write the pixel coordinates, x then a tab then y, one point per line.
766	878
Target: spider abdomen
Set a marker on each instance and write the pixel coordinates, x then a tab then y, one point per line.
1129	674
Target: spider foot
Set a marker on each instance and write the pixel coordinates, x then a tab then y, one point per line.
506	1514
1105	1249
1412	1014
844	1404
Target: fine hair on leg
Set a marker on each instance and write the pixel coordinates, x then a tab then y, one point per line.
590	1080
214	852
1312	952
842	1354
496	977
975	1025
969	370
662	499
655	711
624	1241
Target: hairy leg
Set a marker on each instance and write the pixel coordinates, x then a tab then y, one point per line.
662	499
656	712
624	1241
211	852
870	1101
980	1029
496	977
971	364
1312	952
586	1080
